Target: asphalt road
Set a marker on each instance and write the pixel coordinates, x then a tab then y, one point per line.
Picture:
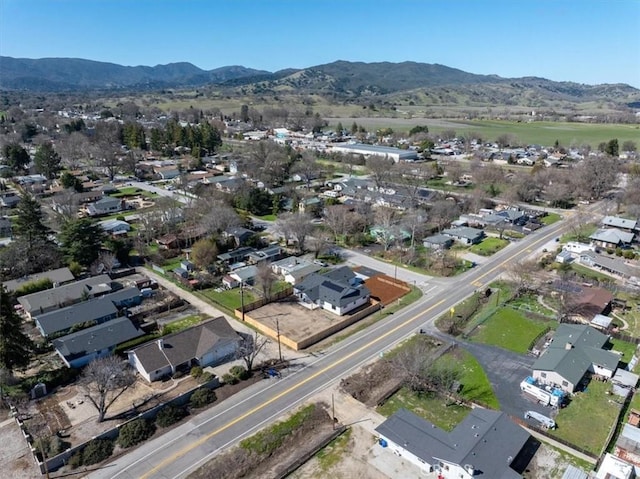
181	451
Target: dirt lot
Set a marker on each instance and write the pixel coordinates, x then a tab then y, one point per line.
386	289
373	384
294	321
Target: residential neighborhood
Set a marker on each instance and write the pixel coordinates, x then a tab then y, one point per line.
494	283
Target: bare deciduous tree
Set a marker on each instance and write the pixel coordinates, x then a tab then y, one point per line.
249	349
522	275
266	278
443	212
380	169
387	224
297	226
104	380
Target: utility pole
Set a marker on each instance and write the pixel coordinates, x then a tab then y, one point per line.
242	299
278	333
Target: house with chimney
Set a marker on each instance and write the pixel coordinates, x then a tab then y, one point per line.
575	351
209	343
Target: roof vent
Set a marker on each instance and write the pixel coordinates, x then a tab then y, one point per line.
568	346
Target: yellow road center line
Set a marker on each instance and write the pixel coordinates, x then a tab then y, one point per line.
204	439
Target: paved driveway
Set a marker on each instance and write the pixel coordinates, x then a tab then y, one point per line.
506	370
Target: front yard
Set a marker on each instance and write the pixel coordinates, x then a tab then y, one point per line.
229	299
510	329
489	246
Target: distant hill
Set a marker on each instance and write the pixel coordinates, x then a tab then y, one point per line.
60	74
394	82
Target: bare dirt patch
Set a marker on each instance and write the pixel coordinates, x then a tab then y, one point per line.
386	289
16	460
373	384
245	462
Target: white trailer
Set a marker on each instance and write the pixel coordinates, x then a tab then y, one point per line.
542	396
545	422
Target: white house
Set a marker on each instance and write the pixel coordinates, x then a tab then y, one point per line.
338	291
208	343
293	269
485	443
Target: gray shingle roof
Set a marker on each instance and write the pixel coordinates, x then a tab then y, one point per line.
65	318
96	338
485	439
56	297
180	347
618	222
612	235
60	276
573	363
464	232
338	287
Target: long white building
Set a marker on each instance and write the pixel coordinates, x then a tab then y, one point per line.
395	154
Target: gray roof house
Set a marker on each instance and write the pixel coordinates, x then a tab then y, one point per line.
79	349
486	444
208	343
56	276
294	269
240	235
611	237
437	242
338	291
105	206
465	234
96	311
574	351
50	299
621	223
610	265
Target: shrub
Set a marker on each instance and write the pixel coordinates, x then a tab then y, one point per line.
33	287
97	451
205	378
75	461
196	372
169	415
135	432
202	397
239	372
629	254
229	379
178	375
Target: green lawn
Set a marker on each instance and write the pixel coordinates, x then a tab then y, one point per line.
489	246
229	298
530	303
509	329
431	407
587	420
588	273
627	349
547	132
581	234
550	219
133	191
475	384
183	323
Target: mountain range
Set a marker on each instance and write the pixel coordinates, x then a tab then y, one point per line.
438	83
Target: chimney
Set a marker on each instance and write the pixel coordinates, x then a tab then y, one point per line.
160	342
568	346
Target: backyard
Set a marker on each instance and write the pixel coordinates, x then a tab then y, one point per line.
229	299
588	419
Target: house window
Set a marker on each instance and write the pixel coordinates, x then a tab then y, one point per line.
544	375
565	383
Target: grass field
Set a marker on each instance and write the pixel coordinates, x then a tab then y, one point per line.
431	407
509	329
550	219
595	405
475	384
229	299
489	246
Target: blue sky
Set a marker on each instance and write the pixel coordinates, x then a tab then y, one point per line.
587	41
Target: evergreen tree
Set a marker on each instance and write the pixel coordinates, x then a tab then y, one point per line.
17	157
47	161
15	346
29	226
81	241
